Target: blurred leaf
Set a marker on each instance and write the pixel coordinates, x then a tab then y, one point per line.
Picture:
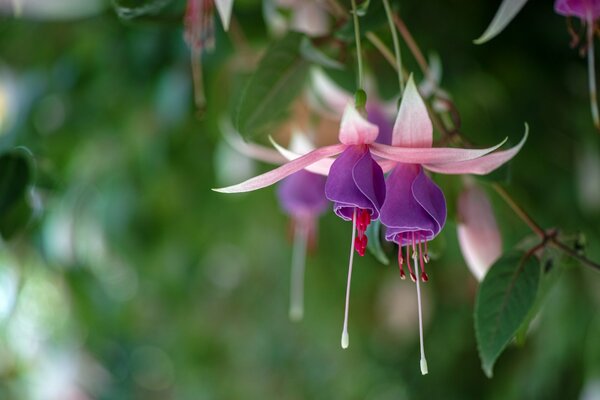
15	176
374	243
311	53
15	219
128	9
276	82
505	298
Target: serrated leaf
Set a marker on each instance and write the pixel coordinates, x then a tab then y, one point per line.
553	263
276	82
374	243
129	9
504	300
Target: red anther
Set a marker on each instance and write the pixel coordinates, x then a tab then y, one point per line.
426	257
402	274
413	277
424	277
360	245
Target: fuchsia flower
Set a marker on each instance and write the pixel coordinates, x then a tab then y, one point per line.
356	185
301	196
415	208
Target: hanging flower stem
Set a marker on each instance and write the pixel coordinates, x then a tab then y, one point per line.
396	42
358	47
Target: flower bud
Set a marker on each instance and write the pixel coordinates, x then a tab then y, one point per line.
478	233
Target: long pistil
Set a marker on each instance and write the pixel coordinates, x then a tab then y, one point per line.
424	369
345	338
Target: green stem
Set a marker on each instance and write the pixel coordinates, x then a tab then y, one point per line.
357	39
394	32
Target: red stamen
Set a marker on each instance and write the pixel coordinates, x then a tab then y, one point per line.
424	276
362	219
410	271
401	260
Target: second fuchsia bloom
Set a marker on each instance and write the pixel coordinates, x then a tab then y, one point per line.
412	205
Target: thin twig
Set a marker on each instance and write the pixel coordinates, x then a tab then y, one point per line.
519	211
412	45
357	39
574	254
394	33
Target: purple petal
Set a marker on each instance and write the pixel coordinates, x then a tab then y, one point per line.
355	181
302	194
584	9
414	204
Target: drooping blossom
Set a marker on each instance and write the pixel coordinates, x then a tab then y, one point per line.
199	35
355	181
478	234
414	211
301	196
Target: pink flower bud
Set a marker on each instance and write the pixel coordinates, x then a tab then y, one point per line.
478	233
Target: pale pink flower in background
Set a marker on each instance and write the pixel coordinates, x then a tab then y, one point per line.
478	233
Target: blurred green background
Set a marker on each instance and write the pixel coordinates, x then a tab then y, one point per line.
133	280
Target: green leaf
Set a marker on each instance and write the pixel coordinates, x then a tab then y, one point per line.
311	53
15	176
277	81
553	263
15	219
374	243
504	300
129	9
